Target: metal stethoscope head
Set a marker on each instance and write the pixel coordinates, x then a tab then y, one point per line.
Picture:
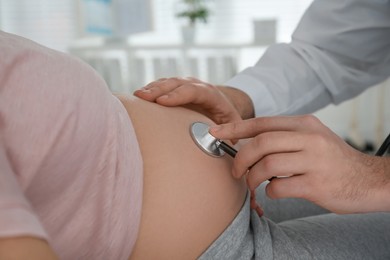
209	144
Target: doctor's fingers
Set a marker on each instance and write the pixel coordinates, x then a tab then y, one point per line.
290	187
162	87
147	92
204	98
282	165
266	144
255	126
205	95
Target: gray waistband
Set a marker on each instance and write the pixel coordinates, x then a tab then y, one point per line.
236	242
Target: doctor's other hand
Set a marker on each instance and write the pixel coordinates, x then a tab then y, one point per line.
310	162
221	104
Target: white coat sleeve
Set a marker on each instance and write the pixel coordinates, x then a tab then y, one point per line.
339	49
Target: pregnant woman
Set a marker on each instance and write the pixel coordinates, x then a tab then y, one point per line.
85	174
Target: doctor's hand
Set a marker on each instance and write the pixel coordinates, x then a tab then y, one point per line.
221	104
310	161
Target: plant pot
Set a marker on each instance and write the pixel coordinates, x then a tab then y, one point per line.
188	34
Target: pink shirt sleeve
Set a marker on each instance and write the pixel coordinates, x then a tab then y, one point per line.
70	164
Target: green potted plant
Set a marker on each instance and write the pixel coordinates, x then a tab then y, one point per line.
194	11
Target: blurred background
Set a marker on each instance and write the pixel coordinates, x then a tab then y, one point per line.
133	42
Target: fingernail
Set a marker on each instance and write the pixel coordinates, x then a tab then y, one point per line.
144	90
163	97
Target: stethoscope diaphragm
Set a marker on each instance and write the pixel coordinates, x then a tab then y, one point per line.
204	140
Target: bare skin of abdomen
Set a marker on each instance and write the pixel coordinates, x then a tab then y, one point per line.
189	197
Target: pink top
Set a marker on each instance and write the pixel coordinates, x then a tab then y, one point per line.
70	165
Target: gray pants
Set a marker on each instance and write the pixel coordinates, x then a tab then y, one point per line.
297	229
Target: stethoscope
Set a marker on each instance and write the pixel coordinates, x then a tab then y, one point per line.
384	147
199	132
209	144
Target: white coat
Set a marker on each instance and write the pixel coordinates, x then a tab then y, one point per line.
339	49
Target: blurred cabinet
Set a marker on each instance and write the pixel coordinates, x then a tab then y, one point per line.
126	67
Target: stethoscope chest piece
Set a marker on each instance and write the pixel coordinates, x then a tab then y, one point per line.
209	144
